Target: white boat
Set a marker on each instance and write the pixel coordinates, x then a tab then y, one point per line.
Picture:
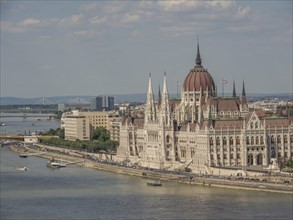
23	168
54	164
3	124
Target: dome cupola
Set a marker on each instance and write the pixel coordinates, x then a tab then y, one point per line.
198	77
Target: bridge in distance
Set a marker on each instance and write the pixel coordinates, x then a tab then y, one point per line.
28	115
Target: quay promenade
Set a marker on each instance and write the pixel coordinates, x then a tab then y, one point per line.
103	162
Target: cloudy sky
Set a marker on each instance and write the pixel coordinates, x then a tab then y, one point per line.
55	48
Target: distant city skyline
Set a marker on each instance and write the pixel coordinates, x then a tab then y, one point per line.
63	48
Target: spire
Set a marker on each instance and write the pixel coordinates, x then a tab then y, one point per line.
150	89
165	106
243	90
198	59
243	99
159	97
150	112
234	90
165	89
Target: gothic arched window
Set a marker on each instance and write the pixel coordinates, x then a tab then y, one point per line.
218	141
278	139
224	141
167	138
256	125
231	141
237	140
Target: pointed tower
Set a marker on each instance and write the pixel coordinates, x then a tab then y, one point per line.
234	90
165	105
150	112
159	98
198	59
243	99
244	106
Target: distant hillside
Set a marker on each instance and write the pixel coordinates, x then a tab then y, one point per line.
67	99
17	101
139	97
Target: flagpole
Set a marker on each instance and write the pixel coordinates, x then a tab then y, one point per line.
178	85
223	82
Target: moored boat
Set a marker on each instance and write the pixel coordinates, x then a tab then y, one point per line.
54	164
154	183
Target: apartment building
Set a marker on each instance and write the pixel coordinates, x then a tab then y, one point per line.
74	122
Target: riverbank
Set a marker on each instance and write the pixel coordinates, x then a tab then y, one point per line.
95	161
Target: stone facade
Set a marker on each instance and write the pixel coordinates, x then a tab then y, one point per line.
202	131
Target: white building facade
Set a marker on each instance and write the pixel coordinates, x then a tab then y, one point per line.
202	131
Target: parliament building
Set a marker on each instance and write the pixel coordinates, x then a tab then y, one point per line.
202	131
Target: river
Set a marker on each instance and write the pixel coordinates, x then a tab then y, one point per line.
79	193
31	125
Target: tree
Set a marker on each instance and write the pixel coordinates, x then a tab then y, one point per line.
101	134
289	163
60	132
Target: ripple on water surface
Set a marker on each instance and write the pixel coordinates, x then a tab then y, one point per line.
79	193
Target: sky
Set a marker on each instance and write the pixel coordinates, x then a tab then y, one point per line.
60	48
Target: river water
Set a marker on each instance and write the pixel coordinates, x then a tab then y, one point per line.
80	193
32	125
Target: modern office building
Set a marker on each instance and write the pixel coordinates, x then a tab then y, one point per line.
76	127
102	103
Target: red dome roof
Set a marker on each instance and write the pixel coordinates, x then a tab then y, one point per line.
198	77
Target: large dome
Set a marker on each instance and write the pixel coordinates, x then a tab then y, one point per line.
198	77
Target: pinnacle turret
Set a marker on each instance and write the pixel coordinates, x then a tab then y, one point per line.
150	111
234	90
198	59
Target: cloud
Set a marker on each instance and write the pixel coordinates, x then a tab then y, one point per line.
146	4
243	12
71	20
220	4
97	20
85	33
130	18
177	31
178	5
114	7
9	28
29	22
187	5
243	28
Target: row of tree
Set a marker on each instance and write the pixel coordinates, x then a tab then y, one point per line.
100	141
